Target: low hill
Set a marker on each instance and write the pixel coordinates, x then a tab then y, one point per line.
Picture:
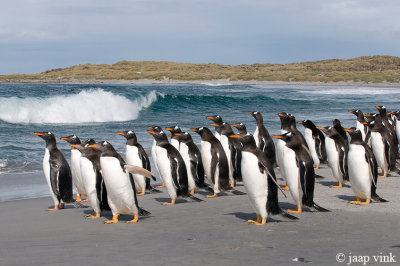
368	69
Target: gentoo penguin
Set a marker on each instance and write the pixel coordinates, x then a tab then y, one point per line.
382	145
299	171
214	161
242	130
192	157
338	126
156	129
217	120
57	172
281	147
136	155
315	141
336	150
225	131
263	139
121	190
174	130
92	178
397	123
77	180
259	180
171	168
360	120
388	123
363	169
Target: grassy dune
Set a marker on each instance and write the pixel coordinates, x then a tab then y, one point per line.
368	69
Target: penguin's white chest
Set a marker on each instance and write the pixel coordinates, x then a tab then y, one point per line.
132	156
311	145
76	171
292	176
88	174
46	166
360	175
256	137
119	187
361	127
255	182
206	157
379	150
175	143
164	167
184	151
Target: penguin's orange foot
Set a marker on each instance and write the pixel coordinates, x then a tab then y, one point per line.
191	192
86	200
141	193
285	187
316	167
339	185
61	206
295	211
53	209
384	175
169	203
251	221
93	216
212	196
78	198
161	186
233	184
114	220
355	202
134	220
262	222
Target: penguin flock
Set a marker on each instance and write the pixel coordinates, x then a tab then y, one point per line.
110	183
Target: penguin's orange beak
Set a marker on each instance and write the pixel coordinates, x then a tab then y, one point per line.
168	128
348	130
280	115
364	123
351	111
64	138
235	137
170	136
234	125
149	127
194	129
250	112
210	117
73	145
92	146
277	137
215	125
300	122
151	132
320	128
178	134
378	107
119	133
367	114
38	134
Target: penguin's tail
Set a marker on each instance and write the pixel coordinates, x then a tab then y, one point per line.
274	209
143	212
319	208
376	198
194	198
287	215
79	205
237	192
319	176
154	190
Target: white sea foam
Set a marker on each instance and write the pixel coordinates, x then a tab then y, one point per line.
354	91
88	106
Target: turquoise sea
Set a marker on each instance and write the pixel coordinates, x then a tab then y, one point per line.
99	110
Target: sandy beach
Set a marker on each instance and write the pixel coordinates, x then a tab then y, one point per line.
213	232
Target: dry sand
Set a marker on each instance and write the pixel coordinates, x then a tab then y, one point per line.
213	232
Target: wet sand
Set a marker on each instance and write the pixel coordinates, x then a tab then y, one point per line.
213	232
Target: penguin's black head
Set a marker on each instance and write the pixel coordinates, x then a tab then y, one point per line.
307	124
102	146
202	131
241	128
215	118
292	139
158	135
396	114
336	122
129	135
372	117
381	109
155	128
354	133
330	131
47	136
257	115
226	129
174	129
89	142
72	139
182	136
244	141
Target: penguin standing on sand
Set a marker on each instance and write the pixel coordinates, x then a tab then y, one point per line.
299	171
262	138
360	122
363	169
281	147
171	168
93	179
259	180
121	190
217	120
315	141
214	161
174	130
75	167
336	150
192	157
156	129
382	145
340	130
57	172
136	155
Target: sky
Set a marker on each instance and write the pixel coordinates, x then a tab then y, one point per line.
38	35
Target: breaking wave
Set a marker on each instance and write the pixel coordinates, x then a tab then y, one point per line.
87	106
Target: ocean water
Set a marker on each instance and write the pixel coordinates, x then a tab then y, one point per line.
99	110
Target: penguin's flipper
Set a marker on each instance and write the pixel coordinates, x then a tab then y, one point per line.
143	212
287	215
133	169
54	172
343	163
319	208
194	198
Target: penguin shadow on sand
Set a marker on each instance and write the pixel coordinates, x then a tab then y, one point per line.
346	197
108	216
245	216
178	200
332	183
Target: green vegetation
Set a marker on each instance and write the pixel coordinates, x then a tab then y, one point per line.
368	69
